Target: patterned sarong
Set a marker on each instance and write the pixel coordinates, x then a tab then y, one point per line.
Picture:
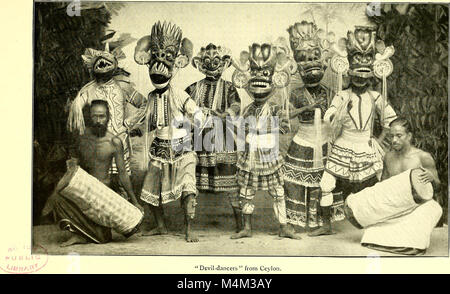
171	172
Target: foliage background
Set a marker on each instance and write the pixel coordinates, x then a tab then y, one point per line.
59	41
418	87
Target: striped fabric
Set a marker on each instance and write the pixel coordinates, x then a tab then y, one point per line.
98	202
170	174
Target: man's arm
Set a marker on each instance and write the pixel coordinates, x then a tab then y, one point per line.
138	101
389	116
430	175
74	149
123	175
385	175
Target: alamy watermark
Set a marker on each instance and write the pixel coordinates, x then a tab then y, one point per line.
373	9
74	8
215	134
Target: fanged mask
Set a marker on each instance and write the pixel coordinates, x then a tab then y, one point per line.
361	51
102	64
212	60
307	48
162	51
263	69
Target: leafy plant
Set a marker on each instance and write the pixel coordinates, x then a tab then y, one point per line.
418	86
59	73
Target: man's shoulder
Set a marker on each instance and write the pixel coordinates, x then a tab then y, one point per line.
424	155
113	138
179	93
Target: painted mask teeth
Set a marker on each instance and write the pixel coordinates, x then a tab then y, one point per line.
160	68
260	84
102	63
363	69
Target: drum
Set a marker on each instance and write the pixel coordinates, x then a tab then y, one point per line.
388	199
98	202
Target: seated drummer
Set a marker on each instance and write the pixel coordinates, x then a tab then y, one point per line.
404	156
94	152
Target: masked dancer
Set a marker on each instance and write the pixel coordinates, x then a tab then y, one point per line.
171	160
261	70
216	168
355	158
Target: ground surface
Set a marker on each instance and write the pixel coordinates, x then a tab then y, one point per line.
214	224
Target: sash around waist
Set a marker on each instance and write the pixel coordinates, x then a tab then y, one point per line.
166	134
307	132
355	136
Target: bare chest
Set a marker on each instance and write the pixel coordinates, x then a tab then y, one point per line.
100	151
397	166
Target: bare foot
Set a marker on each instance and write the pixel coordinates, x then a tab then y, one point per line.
288	232
154	232
242	234
75	239
191	238
322	231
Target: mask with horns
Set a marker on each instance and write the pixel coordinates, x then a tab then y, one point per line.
163	51
102	64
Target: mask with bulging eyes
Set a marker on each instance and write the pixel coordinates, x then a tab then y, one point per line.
163	51
103	64
308	51
263	69
361	51
212	60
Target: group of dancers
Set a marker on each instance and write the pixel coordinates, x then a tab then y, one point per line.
333	154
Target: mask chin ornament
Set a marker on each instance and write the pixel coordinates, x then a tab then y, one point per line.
263	69
212	60
164	51
308	49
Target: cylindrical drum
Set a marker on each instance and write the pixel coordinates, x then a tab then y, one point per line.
98	202
388	199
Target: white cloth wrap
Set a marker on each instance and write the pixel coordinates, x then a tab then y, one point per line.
387	199
412	230
98	202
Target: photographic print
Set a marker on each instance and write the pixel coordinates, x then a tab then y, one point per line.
240	129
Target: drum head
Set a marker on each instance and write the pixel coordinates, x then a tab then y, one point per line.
422	191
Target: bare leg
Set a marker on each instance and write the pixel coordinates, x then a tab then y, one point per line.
160	229
287	231
238	218
189	214
74	239
326	228
247	231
